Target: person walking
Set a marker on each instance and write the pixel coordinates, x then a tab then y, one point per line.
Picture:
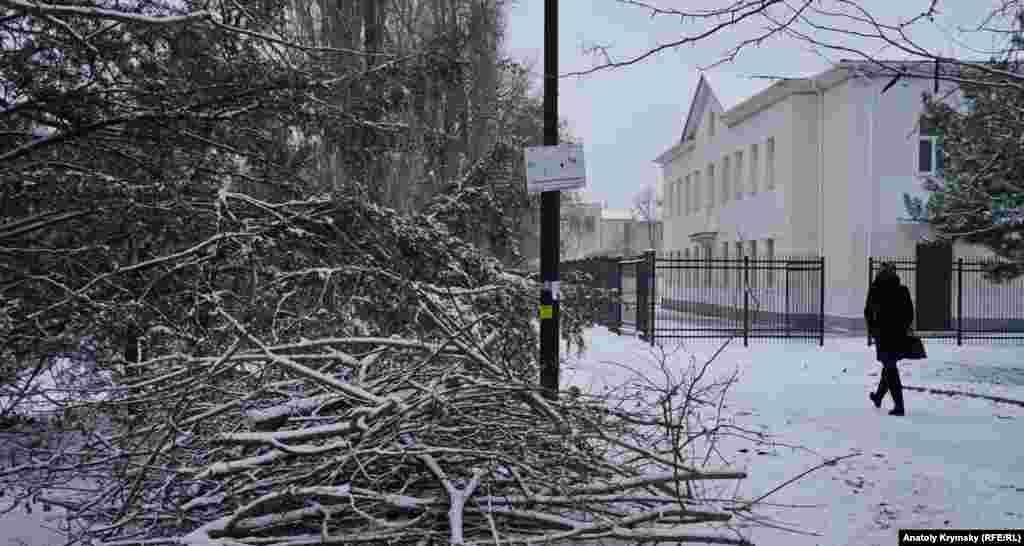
889	312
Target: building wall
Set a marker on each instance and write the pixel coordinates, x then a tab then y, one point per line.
755	216
847	210
803	198
868	161
870	156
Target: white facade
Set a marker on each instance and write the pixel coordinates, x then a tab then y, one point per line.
815	166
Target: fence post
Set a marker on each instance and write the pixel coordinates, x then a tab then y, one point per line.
641	298
746	300
871	272
821	305
788	317
617	302
959	301
651	258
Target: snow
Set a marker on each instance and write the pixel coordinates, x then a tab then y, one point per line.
67	379
951	462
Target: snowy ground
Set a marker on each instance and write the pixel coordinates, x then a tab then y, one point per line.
951	462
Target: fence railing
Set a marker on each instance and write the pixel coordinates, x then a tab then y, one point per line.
746	297
669	296
970	307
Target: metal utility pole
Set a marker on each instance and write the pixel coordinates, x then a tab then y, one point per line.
550	214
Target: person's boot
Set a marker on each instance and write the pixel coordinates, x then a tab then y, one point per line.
896	387
877	396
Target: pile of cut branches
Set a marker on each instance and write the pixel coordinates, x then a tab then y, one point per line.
328	371
376	440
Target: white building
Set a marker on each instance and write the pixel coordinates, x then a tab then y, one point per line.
589	229
812	166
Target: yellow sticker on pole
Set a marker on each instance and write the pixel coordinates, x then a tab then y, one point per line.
547	312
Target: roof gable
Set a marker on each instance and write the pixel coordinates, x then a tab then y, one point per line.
703	98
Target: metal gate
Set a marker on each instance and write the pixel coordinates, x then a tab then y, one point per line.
669	296
934	290
744	297
631	297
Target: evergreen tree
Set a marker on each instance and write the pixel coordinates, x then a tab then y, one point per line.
978	195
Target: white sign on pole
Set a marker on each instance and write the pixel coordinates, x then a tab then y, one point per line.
555	168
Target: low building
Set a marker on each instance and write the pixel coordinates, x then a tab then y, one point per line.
815	166
589	229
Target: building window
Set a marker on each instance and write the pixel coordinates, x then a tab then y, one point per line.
770	163
711	125
726	174
769	254
753	169
677	200
670	198
695	207
695	204
929	155
711	186
681	195
738	165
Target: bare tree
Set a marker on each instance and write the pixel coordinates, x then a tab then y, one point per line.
847	29
647	209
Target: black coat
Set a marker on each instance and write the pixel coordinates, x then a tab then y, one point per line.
889	312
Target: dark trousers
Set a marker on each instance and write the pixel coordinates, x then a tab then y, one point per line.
890	382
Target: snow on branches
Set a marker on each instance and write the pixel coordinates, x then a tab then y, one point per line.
359	439
328	371
978	196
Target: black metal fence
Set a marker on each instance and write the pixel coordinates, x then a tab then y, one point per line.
752	298
954	301
671	296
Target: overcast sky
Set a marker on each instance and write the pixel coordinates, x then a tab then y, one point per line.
627	116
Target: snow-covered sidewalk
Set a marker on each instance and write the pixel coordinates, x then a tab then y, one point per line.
951	462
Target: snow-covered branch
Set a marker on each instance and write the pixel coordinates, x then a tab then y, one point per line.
93	12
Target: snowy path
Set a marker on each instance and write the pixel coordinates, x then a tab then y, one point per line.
952	462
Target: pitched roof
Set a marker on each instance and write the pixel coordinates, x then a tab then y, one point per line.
703	97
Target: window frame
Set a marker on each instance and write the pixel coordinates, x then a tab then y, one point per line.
696	192
754	164
726	176
935	149
710	198
737	160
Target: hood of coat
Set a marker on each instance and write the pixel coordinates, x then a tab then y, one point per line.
887	276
